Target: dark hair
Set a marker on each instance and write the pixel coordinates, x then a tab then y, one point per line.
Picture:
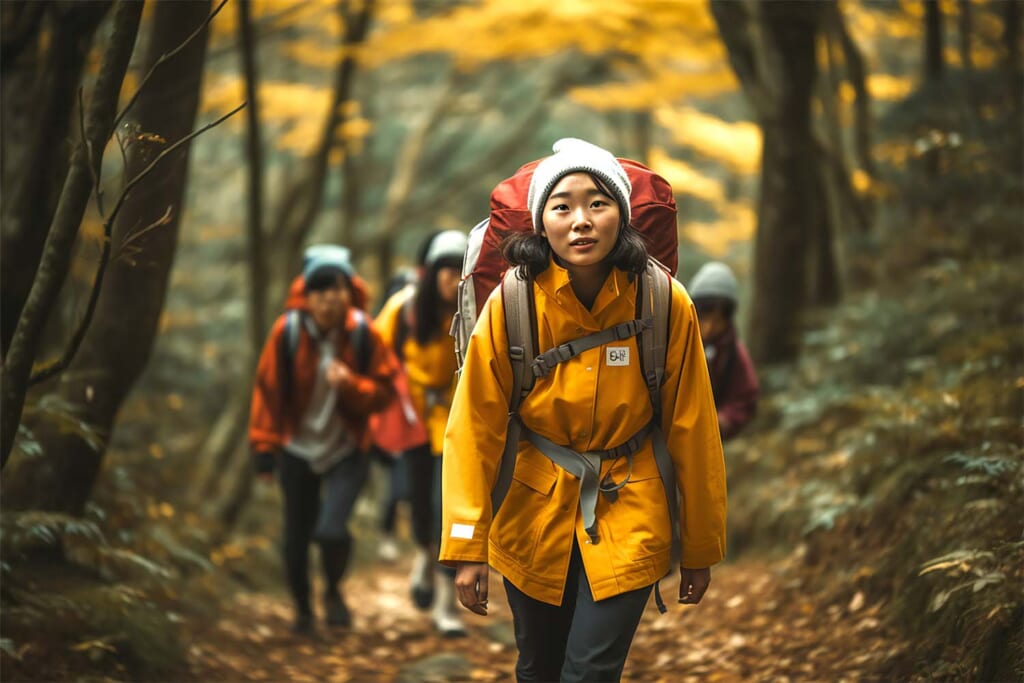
421	255
710	304
426	304
326	278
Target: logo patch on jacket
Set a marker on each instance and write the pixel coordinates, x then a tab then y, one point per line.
616	355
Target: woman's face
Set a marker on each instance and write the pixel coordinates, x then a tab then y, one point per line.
581	222
448	284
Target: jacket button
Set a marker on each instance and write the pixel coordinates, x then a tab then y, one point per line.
579	330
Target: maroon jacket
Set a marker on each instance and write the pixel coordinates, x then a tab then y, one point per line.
733	381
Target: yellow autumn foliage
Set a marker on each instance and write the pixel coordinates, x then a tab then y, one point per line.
526	29
736	145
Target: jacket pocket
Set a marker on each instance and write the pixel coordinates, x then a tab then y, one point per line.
523	514
541	480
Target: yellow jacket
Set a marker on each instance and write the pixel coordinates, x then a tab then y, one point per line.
430	368
586	404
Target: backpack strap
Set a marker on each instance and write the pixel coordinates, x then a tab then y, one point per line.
654	300
543	364
406	322
361	341
518	305
286	349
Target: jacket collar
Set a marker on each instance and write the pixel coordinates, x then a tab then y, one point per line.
556	283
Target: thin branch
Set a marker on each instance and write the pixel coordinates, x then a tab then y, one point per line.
144	172
89	153
136	235
164	58
51	369
59	365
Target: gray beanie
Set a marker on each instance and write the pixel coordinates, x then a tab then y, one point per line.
714	280
573	155
450	243
326	256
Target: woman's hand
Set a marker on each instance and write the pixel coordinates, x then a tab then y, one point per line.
471	586
692	584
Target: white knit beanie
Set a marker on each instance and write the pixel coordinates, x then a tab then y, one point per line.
573	155
450	243
714	280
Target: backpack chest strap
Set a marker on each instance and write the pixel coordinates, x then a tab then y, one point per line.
586	467
543	364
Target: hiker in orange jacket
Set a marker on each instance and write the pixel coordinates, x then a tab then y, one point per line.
323	371
577	599
415	322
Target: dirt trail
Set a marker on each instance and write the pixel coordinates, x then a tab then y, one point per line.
756	623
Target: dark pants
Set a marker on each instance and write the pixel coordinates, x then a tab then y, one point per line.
310	516
425	498
398	488
579	640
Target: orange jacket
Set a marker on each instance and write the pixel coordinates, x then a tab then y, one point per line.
272	423
428	367
586	404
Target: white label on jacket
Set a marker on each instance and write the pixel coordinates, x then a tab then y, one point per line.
617	355
462	531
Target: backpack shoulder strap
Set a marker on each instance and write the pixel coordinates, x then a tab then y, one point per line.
655	302
362	343
406	322
289	344
520	327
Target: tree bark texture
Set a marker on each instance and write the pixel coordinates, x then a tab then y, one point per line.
41	155
934	64
117	345
254	156
788	202
56	258
772	49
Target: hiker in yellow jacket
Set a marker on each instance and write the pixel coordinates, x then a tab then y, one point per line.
415	322
577	599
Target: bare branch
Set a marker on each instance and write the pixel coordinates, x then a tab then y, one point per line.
166	57
51	369
57	366
93	166
160	157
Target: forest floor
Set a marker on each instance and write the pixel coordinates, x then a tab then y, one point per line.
757	622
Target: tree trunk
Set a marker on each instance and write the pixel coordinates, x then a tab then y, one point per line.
42	156
934	65
788	182
254	156
85	167
856	73
117	345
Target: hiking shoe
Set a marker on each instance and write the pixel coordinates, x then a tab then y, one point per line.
336	611
303	623
422	580
445	614
388	551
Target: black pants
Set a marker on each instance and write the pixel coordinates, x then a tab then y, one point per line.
308	516
398	487
425	497
579	640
